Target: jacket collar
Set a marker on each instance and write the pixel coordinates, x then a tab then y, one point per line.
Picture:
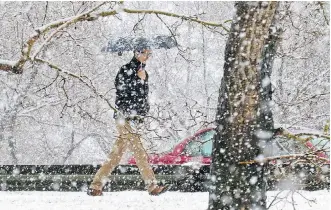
135	64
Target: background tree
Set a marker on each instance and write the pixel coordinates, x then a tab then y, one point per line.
61	100
50	116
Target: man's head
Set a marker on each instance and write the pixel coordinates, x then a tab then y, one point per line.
142	55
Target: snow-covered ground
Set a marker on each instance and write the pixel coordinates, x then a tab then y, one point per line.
139	200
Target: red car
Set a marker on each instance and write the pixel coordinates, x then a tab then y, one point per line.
186	151
193	156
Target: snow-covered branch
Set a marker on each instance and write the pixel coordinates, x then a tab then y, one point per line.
86	16
193	19
17	67
7	65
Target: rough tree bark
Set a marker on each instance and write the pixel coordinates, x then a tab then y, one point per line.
236	184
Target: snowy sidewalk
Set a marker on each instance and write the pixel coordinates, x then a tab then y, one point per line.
139	200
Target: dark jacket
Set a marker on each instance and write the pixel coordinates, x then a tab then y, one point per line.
131	91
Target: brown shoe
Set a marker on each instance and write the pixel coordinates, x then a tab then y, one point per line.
158	190
94	192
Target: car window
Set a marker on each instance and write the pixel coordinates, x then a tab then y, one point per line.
207	136
193	148
201	146
206	148
322	144
275	148
293	146
207	143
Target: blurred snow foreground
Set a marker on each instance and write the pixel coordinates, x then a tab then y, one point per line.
140	200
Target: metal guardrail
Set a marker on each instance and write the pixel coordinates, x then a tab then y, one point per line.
82	169
78	177
83	178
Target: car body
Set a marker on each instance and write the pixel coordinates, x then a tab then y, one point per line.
179	154
194	155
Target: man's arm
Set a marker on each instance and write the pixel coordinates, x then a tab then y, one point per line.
122	81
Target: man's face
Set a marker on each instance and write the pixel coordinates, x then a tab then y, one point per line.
144	55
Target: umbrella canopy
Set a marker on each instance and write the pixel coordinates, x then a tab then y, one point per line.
123	44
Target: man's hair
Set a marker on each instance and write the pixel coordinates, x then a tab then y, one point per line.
140	49
137	51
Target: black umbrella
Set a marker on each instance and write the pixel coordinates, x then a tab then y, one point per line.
137	43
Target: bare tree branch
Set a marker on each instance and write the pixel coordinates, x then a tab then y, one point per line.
46	9
66	24
80	78
324	13
87	16
275	198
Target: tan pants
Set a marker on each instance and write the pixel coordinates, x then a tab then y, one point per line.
128	138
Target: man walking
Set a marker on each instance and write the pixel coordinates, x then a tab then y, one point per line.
132	102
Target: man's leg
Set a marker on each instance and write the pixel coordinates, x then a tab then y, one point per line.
113	160
140	154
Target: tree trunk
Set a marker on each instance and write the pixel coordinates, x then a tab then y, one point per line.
239	185
266	122
9	117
